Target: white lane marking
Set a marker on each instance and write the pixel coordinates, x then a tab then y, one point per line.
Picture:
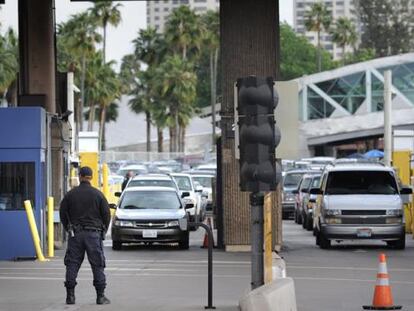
25	278
347	268
348	280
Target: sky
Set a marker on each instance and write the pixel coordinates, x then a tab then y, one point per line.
119	39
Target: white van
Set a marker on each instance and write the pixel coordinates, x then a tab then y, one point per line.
359	201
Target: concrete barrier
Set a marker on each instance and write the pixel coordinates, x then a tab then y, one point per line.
278	295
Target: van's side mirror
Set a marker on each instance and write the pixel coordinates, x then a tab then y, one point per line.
185	194
316	191
118	194
406	190
112	206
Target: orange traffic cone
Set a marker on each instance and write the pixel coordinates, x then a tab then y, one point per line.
382	294
206	240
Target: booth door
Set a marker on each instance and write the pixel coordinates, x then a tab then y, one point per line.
17	184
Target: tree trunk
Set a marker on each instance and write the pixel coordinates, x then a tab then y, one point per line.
172	138
343	55
148	119
249	41
91	116
82	104
183	131
101	126
319	52
104	42
179	138
160	142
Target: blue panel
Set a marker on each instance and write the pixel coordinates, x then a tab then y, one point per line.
27	126
15	237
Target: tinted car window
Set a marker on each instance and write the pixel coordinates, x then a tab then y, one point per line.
361	182
305	183
204	181
292	180
149	183
150	200
316	182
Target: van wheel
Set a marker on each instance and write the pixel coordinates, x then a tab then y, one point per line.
309	223
304	220
116	245
324	243
398	244
299	216
185	241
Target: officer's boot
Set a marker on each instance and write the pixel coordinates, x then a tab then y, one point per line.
101	299
70	296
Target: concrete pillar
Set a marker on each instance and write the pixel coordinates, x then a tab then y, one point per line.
37	50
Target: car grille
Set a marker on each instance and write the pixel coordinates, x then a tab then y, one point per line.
155	224
363	221
363	212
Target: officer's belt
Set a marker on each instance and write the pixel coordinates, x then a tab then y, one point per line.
86	228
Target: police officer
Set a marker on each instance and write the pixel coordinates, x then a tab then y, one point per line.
85	215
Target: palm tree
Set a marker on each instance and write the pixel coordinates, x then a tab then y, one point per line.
210	23
103	89
106	13
149	47
79	36
177	85
344	33
182	32
8	65
318	19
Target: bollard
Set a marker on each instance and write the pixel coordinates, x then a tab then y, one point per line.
33	230
50	227
105	186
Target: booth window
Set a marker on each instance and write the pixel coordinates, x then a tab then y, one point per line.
17	184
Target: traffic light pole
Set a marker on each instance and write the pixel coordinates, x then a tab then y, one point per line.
257	238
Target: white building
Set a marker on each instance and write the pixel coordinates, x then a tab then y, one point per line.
339	8
158	11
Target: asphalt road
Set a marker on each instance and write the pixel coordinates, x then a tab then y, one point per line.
159	278
343	278
140	278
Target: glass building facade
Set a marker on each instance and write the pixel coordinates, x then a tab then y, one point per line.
359	90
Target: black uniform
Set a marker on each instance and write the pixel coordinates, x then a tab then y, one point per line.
86	210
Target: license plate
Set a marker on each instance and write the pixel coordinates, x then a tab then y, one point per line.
364	233
149	234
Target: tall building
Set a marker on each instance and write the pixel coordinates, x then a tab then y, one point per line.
158	11
339	8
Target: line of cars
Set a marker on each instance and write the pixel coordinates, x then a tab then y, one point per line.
161	208
347	200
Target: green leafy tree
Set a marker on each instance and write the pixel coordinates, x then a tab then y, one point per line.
298	55
344	34
106	13
210	24
177	85
318	19
8	65
76	42
387	25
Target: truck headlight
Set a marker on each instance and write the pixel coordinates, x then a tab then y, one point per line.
174	223
124	223
394	221
333	221
394	212
332	212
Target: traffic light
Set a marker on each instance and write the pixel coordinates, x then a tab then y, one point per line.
258	134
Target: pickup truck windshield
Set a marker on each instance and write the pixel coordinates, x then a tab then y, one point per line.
361	182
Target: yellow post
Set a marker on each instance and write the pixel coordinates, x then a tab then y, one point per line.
33	229
105	186
91	159
268	238
50	227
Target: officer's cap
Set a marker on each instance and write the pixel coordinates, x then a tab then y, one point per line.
85	171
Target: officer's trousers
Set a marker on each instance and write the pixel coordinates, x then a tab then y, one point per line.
91	243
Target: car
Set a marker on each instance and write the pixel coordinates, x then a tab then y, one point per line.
150	215
208	168
206	181
290	183
156	180
186	183
308	202
359	201
137	169
302	197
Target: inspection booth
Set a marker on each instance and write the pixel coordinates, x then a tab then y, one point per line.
23	176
